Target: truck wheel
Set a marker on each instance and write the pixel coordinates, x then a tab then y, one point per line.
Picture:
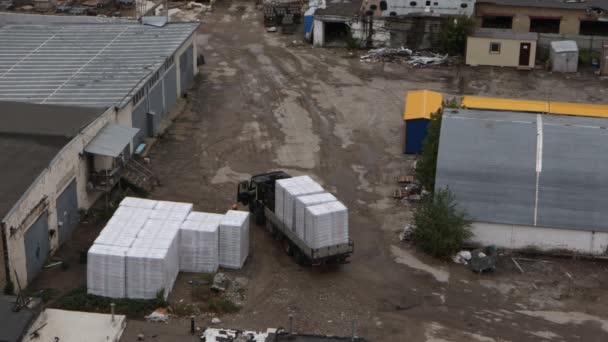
260	219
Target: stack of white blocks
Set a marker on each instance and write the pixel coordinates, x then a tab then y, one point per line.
286	192
302	203
199	243
326	224
141	249
234	239
316	217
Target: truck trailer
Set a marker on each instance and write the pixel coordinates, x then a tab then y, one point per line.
259	194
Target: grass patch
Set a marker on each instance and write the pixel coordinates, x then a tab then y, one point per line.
185	309
79	300
45	295
201	288
222	305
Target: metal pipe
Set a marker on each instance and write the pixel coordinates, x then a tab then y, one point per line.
112	305
352	330
290	324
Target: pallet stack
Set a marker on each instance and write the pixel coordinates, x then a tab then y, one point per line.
306	201
141	250
326	224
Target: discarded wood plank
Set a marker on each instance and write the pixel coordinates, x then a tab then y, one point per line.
528	259
518	267
569	276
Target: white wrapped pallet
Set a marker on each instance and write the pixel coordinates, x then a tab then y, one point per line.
199	243
106	271
114	237
178	207
135	202
305	201
234	239
326	224
299	187
131	217
149	270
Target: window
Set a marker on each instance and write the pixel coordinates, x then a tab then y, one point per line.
495	48
594	28
373	7
393	14
435	4
428	3
544	25
413	3
497	22
383	5
464	5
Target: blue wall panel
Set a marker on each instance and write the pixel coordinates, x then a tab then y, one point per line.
415	132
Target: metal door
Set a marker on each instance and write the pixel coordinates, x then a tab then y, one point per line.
67	212
524	54
155	97
36	246
170	88
139	120
186	61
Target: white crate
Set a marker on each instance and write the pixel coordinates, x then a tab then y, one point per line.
199	243
305	201
234	239
326	224
106	271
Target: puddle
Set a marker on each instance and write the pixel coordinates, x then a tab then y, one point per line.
404	257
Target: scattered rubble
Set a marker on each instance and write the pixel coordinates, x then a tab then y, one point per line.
159	315
408	233
462	257
483	260
396	55
219	282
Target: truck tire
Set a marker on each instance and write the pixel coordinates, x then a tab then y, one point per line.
288	247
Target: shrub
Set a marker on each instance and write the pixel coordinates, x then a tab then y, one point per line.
426	166
79	300
454	33
222	305
440	228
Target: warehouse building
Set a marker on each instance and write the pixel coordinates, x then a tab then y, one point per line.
141	70
77	100
528	180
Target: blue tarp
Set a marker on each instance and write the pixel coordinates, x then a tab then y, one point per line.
308	22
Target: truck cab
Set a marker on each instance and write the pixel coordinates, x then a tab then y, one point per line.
258	193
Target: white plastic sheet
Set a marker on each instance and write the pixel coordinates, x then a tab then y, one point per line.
234	239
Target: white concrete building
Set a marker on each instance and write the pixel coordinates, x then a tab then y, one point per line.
427	7
76	100
528	180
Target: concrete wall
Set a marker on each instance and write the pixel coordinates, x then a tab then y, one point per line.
546	239
359	27
570	19
583	42
69	164
478	52
442	7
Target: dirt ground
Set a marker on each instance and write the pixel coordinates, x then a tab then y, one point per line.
264	103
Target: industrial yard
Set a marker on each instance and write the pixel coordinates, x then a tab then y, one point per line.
263	101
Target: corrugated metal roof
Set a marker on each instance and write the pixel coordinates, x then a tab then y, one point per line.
551	107
420	104
83	65
564	46
504	34
490	161
111	140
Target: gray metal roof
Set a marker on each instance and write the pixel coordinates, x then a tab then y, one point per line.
564	46
111	140
564	4
84	65
504	34
490	161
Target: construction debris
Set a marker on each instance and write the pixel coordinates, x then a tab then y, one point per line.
397	55
408	233
159	315
483	260
219	282
462	257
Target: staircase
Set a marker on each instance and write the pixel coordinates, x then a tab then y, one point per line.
139	175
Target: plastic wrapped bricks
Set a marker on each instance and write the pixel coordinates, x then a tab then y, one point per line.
150	270
306	201
106	271
326	224
234	239
286	192
199	243
135	202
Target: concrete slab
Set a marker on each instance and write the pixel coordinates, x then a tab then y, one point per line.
76	326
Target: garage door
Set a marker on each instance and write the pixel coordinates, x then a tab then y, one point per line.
139	120
170	88
155	97
186	71
37	246
67	212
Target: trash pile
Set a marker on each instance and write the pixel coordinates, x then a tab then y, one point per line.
398	55
409	189
478	260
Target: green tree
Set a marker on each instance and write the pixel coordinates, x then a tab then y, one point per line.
426	166
440	228
454	33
